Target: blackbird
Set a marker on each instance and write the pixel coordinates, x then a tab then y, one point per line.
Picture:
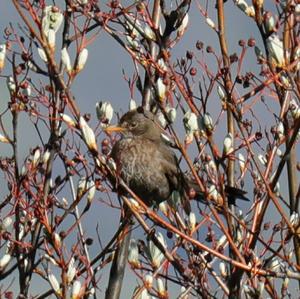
147	164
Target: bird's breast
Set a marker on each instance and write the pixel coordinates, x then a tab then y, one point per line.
138	165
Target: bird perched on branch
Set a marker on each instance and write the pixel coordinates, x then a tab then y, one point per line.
148	165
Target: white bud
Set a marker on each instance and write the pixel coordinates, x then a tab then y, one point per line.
149	33
294	108
161	288
51	39
66	60
262	159
213	194
163	207
250	11
192	221
88	135
279	130
7	221
274	264
190	122
11	85
133	253
222	241
46	156
2	56
21	231
223	270
144	295
42	54
4	261
182	28
171	112
104	111
294	219
52	19
76	290
36	157
68	120
71	270
65	202
161	63
155	253
133	202
210	23
133	43
91	191
284	79
261	287
132	104
207	122
81	186
242	5
27	91
259	54
31	66
57	240
50	259
275	48
161	119
148	281
161	89
269	23
3	139
242	162
221	93
228	144
54	283
82	59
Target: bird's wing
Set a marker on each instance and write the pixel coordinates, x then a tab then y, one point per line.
174	175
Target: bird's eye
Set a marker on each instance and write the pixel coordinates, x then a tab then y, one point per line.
133	125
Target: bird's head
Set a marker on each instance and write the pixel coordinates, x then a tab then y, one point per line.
138	122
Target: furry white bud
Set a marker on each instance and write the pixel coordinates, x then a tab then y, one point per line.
71	270
190	122
66	60
161	288
82	59
88	135
2	56
183	26
11	85
42	54
52	19
68	120
192	221
242	162
3	139
132	104
161	89
223	270
104	111
54	283
76	290
133	254
228	144
4	261
155	253
275	47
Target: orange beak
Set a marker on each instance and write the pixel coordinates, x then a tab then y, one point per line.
111	129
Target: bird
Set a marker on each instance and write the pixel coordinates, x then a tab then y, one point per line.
148	165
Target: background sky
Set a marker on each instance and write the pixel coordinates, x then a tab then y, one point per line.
102	79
